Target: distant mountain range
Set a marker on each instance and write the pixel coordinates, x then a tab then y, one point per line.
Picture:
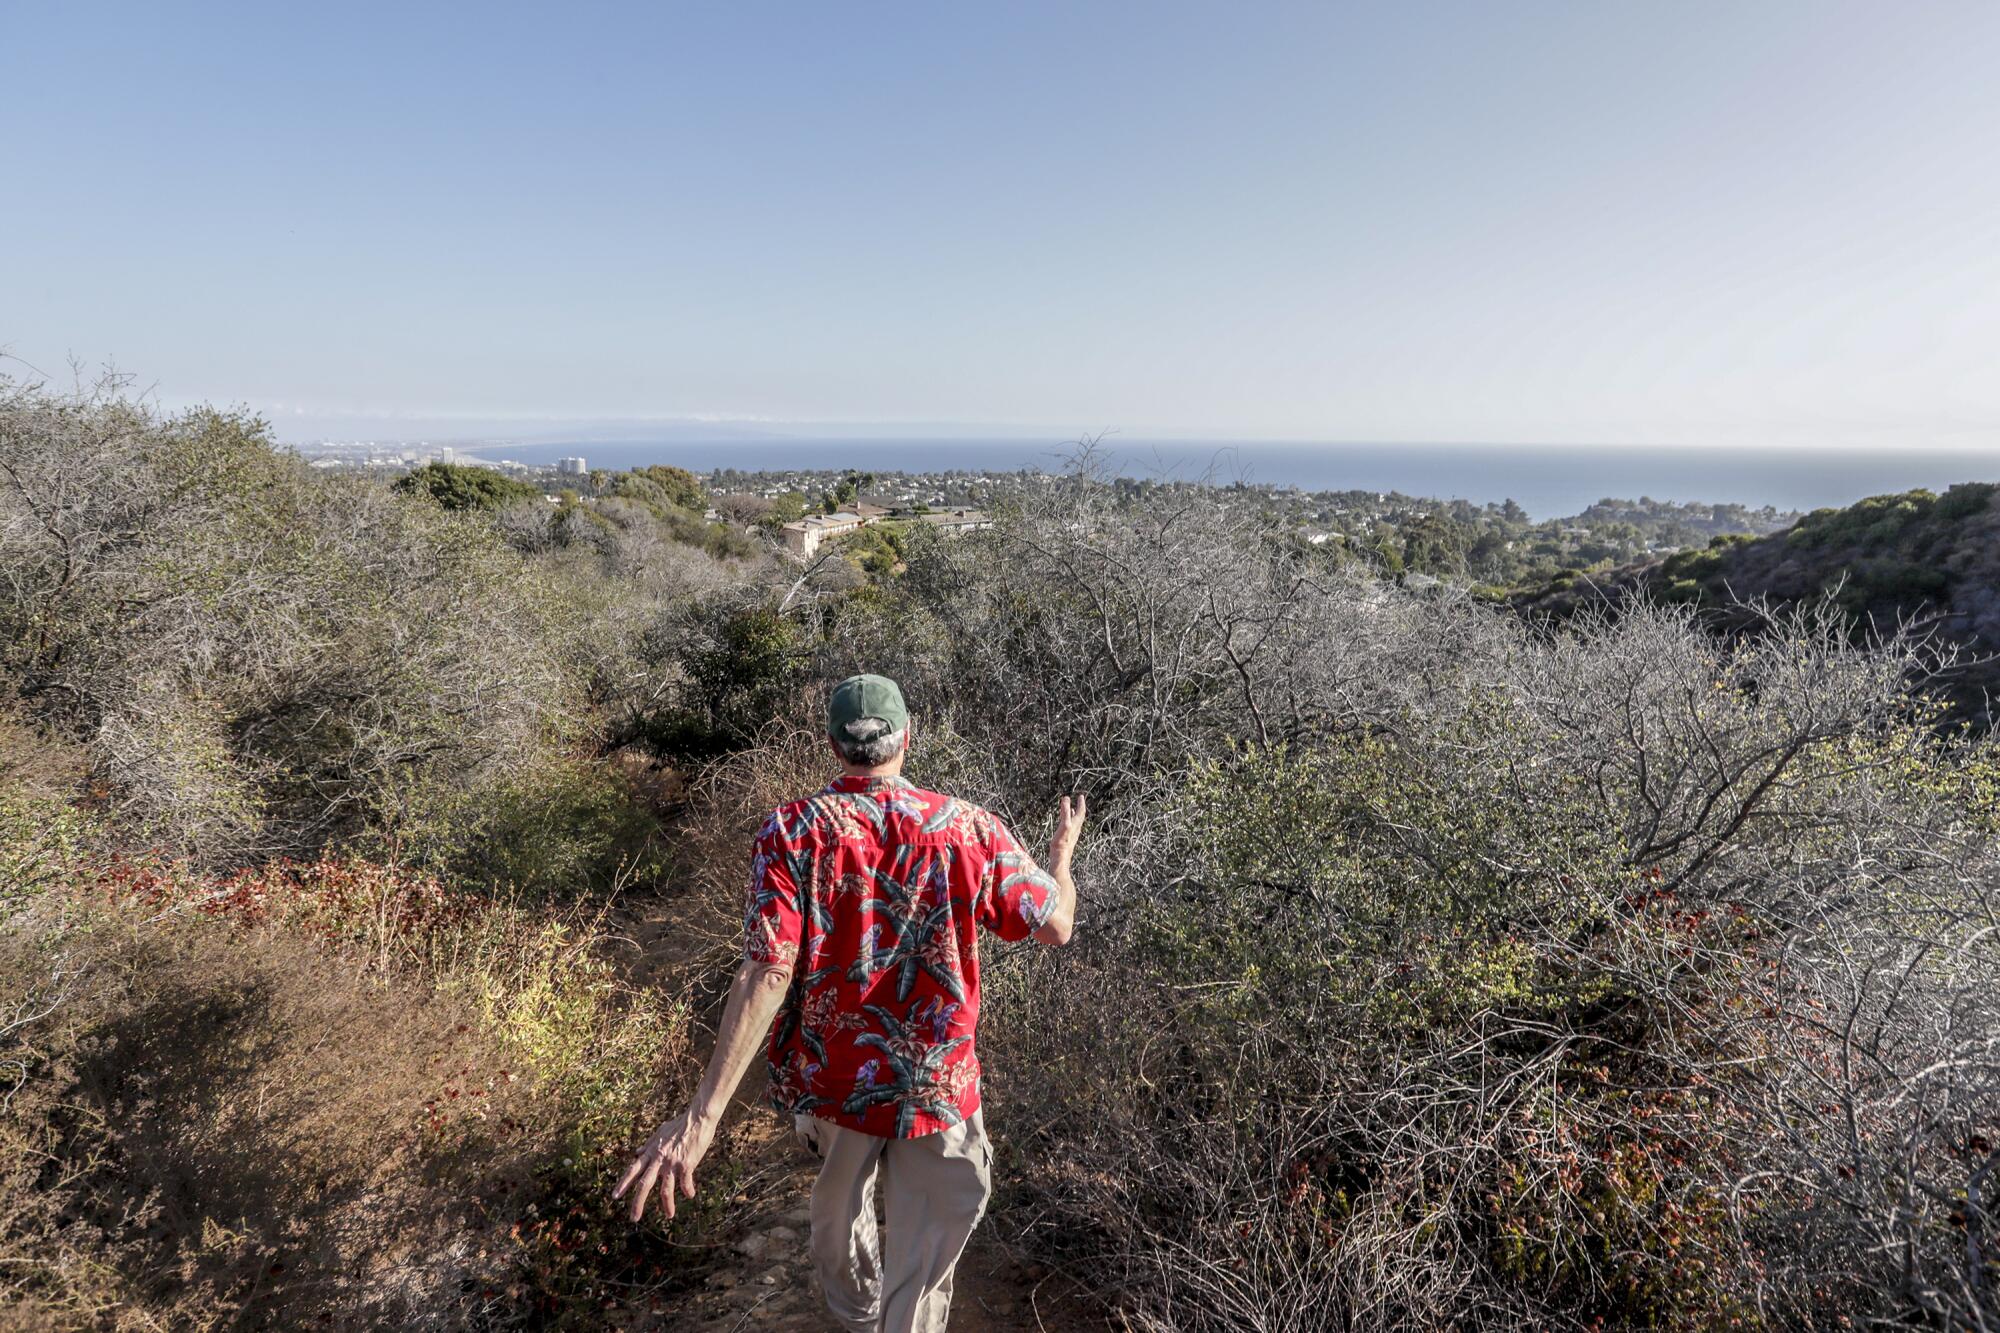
1915	557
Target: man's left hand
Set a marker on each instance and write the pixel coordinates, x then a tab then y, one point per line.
668	1161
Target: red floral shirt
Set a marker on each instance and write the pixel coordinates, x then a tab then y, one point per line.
871	890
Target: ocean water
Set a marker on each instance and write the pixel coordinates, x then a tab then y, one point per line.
1547	480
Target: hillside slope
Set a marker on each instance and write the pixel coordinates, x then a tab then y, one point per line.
1920	558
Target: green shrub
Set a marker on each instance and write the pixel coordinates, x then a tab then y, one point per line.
1896	583
877	548
562	829
1694	566
740	666
1871	523
460	486
663	487
1813	530
1681	592
718	539
1966	499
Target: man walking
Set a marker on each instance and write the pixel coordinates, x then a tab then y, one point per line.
860	938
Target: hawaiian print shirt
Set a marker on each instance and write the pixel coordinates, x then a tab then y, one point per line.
871	890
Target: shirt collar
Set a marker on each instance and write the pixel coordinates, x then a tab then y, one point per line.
858	782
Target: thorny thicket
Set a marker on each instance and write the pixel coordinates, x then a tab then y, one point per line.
1438	972
260	657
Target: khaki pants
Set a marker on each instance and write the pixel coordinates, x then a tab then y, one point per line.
934	1193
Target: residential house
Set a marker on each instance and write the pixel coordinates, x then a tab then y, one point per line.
803	537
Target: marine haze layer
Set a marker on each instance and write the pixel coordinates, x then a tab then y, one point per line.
1549	481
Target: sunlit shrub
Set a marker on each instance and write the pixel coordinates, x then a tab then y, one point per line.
560	829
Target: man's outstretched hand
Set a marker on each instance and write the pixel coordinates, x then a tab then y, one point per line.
668	1160
1061	917
1069	826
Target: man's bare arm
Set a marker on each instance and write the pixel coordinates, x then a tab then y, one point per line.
1069	825
669	1158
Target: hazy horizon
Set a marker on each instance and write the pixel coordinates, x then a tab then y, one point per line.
555	429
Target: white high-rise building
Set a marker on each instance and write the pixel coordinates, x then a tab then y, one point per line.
572	467
446	454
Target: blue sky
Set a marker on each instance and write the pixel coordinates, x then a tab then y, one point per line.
1734	223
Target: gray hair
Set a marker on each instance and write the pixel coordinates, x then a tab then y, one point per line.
868	742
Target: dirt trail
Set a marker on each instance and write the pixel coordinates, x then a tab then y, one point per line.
765	1278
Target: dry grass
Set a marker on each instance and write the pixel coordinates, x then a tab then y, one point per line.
231	1123
224	1117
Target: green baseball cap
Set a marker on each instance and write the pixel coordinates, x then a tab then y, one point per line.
860	697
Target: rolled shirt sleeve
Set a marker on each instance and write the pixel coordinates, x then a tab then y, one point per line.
1016	896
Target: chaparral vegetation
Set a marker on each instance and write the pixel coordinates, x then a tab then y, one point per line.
1438	966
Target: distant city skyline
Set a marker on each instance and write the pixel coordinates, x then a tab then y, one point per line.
1688	224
